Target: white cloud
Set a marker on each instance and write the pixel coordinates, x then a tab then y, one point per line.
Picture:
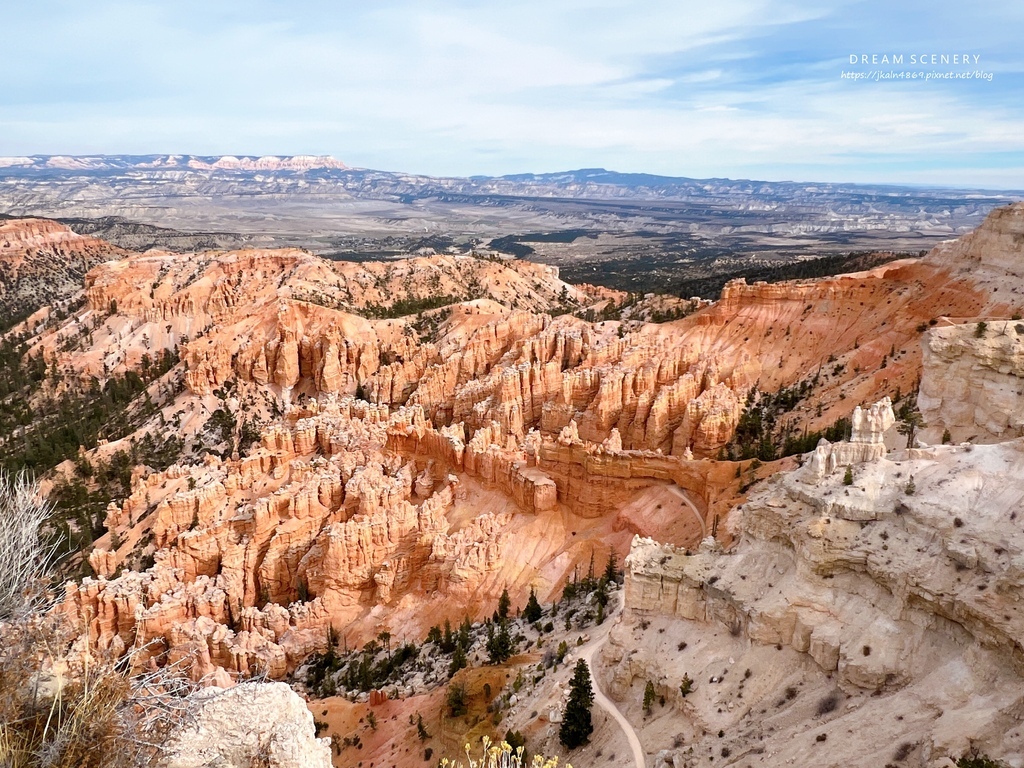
460	88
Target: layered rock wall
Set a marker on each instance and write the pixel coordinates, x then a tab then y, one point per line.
974	384
878	588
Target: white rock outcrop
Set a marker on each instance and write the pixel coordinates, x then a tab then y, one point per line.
866	442
265	724
901	596
973	383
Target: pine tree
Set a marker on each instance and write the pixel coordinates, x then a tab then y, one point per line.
649	694
464	629
848	477
909	421
448	638
457	699
499	644
611	568
503	605
459	661
686	686
533	611
576	725
515	739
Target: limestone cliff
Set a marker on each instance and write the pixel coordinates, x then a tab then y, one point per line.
994	250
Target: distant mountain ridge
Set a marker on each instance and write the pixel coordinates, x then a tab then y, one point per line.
652	180
579	182
173	162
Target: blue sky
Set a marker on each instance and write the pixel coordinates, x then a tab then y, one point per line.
736	88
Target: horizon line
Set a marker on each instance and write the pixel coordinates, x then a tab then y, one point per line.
472	177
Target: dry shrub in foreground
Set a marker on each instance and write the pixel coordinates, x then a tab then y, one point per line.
25	558
62	705
55	711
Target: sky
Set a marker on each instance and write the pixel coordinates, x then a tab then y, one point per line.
715	88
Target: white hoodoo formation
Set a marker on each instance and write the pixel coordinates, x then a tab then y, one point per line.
865	444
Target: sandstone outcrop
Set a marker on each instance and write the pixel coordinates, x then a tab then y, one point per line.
866	443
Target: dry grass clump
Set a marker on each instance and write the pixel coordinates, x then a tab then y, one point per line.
62	704
55	712
829	704
24	557
501	755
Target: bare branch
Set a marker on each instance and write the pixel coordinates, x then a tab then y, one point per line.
25	558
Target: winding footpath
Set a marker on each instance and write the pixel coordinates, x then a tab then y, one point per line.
586	653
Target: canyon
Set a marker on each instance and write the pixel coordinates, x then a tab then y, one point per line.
375	447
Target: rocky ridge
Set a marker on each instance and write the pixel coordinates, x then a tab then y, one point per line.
159	162
972	379
42	263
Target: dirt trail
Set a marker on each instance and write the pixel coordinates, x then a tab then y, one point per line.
586	653
675	489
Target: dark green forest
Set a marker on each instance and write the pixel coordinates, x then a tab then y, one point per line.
766	431
46	417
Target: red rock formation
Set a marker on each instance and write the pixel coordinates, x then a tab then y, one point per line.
42	262
349	510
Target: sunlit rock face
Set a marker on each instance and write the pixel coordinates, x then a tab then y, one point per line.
264	724
351	470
